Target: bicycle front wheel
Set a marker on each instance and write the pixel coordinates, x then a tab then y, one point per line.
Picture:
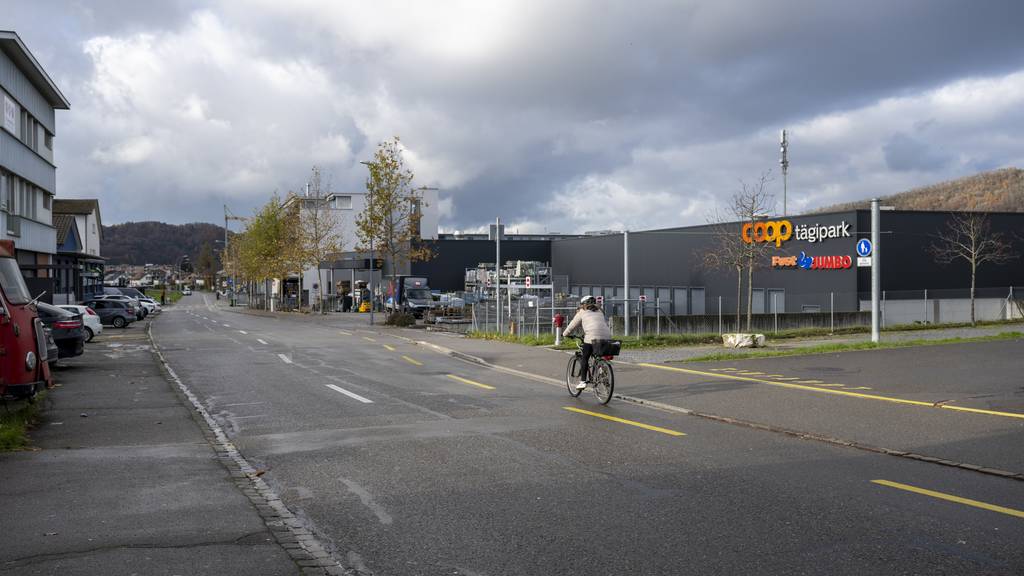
604	381
572	375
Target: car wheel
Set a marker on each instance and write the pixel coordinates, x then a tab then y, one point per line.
119	322
88	334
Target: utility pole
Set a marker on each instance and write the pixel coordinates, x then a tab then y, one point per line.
497	269
625	279
369	206
784	161
234	280
876	273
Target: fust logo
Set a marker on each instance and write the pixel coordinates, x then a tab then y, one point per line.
777	231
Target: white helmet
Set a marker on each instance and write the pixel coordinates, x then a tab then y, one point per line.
588	299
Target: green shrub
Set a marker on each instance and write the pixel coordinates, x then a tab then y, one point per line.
401	319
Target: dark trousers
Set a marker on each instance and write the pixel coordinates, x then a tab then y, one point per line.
587	351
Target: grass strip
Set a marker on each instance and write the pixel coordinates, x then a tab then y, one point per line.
172	295
847	347
14	425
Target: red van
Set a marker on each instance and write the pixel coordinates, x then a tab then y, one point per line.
23	368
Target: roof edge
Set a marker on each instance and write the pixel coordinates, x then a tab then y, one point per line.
48	87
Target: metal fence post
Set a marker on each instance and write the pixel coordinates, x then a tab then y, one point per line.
775	309
658	314
926	306
832	312
536	324
719	315
883	309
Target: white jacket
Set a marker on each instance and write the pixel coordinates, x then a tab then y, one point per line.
595	327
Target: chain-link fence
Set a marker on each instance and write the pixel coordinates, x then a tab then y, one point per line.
770	312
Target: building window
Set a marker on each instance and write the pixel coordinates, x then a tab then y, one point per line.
47	201
49	141
341	202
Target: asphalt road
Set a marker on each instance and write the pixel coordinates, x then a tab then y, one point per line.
411	462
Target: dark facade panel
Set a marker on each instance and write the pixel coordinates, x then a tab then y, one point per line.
675	258
908	264
447	270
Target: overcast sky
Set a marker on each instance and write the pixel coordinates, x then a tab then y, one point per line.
557	116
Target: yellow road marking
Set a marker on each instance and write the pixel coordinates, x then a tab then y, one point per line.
833	385
808	381
392	348
951	498
790	378
622	421
859	388
412	361
836	392
368	339
752	373
470	382
773	376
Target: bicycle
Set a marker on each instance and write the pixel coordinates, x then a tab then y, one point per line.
601	374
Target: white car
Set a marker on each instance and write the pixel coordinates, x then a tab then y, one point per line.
152	305
93	326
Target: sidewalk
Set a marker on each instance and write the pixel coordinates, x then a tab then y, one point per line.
123	481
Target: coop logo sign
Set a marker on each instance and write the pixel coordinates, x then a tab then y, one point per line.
812	262
777	231
815	233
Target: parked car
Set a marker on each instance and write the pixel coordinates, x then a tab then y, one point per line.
116	313
93	326
186	291
67	327
52	351
139	310
152	306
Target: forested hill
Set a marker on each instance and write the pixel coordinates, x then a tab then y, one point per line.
996	191
157	243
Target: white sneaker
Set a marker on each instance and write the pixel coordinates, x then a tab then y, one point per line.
582	385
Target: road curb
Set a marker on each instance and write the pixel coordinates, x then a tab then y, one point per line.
304	548
736	421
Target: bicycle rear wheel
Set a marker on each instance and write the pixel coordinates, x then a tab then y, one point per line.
572	375
604	381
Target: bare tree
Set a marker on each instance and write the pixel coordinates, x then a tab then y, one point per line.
727	253
968	237
319	229
751	203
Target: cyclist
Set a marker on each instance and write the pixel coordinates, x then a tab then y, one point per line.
595	329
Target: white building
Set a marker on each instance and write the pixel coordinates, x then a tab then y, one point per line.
348	205
28	180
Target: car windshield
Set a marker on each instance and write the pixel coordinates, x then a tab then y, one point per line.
13	282
418	294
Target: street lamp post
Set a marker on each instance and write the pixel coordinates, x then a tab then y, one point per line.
369	202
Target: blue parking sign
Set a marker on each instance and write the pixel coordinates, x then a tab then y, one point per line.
864	247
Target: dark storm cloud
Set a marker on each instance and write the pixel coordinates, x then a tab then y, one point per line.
518	109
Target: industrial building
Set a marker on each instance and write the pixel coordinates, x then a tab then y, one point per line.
809	265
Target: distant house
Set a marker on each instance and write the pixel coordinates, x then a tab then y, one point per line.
77	276
87	216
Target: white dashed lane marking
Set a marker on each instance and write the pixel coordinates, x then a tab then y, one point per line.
284	358
349	394
261	341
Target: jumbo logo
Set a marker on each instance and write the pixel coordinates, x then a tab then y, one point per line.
777	231
812	262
